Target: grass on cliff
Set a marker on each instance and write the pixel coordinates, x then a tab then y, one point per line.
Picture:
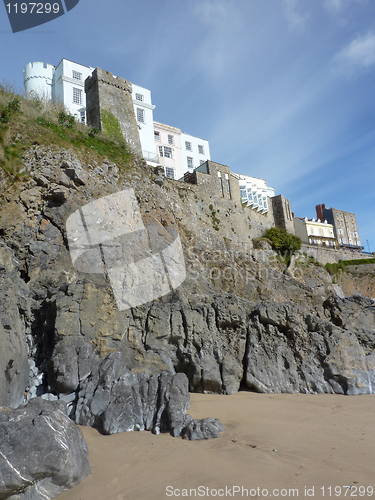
25	123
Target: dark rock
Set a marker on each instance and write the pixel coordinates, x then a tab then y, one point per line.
205	428
43	452
116	399
14	368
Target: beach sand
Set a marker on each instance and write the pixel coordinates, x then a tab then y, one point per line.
282	442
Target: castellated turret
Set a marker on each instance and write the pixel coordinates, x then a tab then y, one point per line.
38	78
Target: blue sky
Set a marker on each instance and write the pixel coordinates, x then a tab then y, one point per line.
282	89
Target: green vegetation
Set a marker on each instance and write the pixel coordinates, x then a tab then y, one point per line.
333	269
25	123
358	262
215	220
111	125
282	241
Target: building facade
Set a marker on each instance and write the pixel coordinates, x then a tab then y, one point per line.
344	224
143	110
217	180
168	149
65	83
195	152
315	232
255	192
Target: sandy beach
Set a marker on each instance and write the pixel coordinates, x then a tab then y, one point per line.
274	445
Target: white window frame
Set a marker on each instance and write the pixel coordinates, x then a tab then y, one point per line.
170	139
157	136
168	152
76	75
188	146
169	172
77	96
139	97
200	149
190	162
140	115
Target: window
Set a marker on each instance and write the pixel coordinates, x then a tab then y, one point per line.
255	199
190	162
165	151
350	241
170	139
200	149
260	202
220	184
82	114
169	172
265	206
188	146
342	241
227	185
157	136
139	97
355	234
341	230
249	195
140	115
349	233
77	96
312	231
77	75
243	193
322	232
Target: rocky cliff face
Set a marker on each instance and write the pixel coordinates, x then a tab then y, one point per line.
237	320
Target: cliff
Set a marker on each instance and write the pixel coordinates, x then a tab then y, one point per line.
238	321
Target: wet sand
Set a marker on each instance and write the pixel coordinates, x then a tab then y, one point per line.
281	442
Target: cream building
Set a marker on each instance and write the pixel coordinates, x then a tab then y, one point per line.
315	232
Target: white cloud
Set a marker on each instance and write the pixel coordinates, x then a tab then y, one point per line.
295	19
359	53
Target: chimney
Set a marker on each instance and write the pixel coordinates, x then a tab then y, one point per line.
319	211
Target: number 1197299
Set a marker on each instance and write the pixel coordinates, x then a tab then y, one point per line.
30	8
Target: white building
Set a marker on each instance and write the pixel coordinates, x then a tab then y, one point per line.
195	151
254	192
143	109
168	147
65	83
314	232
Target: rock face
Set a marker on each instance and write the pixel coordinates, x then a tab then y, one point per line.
13	352
42	453
236	320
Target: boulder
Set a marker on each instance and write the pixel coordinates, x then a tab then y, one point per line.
43	452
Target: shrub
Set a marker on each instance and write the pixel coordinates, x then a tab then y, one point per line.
282	241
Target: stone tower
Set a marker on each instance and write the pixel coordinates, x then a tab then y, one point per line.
282	213
106	92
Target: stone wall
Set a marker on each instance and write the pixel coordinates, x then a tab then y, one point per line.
330	255
282	213
207	175
114	94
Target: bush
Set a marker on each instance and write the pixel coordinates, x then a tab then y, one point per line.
334	268
283	241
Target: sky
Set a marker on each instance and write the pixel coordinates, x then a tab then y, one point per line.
282	89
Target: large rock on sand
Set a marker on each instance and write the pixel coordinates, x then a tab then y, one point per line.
43	452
